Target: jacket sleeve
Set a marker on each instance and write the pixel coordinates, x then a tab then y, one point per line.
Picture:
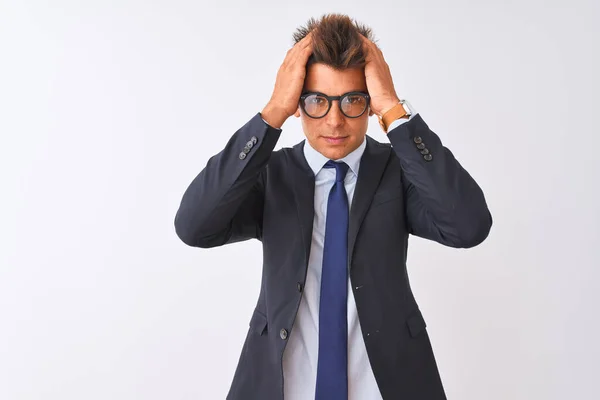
224	202
443	202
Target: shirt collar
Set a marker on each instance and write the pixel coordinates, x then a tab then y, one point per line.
316	160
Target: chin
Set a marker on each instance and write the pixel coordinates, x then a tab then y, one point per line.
334	153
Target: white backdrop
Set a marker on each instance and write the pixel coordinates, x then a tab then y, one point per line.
108	109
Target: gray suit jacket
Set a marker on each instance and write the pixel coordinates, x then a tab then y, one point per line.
413	186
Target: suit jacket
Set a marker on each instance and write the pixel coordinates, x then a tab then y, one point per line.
413	186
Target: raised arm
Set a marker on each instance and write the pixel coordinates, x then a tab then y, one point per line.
443	202
224	202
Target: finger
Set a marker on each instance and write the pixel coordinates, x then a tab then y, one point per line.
299	44
308	47
307	40
368	46
365	40
302	45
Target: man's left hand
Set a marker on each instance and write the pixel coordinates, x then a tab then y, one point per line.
379	79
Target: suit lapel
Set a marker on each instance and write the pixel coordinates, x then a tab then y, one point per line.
303	182
372	165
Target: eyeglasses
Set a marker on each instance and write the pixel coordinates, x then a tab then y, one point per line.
317	105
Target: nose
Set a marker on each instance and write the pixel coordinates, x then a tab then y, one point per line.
335	116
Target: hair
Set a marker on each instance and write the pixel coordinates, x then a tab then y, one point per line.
336	41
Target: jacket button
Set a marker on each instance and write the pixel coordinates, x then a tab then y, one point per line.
242	155
299	286
250	144
254	140
421	146
418	140
283	334
427	157
425	151
246	150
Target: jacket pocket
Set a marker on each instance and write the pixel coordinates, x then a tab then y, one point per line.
258	323
415	323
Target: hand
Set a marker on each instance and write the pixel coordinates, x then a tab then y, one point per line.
289	83
379	79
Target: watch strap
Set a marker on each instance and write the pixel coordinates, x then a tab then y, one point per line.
394	113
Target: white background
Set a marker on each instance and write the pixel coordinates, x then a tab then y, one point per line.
108	109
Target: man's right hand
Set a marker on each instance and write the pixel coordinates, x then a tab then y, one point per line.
289	84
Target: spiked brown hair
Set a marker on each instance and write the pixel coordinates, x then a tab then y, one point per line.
336	41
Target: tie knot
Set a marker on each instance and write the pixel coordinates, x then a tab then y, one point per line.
341	169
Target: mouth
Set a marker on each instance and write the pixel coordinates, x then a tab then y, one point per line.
335	139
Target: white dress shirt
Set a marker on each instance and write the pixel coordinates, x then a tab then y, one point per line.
301	353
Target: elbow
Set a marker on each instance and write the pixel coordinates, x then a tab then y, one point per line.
184	233
193	238
477	231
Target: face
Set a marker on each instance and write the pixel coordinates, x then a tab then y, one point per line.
324	79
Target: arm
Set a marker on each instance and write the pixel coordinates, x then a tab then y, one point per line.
224	202
443	202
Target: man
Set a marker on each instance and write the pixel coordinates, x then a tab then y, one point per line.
336	317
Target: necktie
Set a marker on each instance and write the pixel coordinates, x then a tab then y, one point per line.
332	368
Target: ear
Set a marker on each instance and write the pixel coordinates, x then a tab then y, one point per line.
371	112
297	113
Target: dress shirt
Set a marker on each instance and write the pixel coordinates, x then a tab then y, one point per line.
301	353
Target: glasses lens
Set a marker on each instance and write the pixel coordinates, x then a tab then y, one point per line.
353	105
315	105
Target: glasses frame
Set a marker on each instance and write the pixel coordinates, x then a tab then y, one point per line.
330	100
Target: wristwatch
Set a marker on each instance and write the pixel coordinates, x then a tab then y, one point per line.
400	110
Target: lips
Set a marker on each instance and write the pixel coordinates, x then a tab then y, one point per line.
335	139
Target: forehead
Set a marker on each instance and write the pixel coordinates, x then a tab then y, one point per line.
324	79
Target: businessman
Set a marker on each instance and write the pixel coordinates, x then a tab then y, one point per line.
335	318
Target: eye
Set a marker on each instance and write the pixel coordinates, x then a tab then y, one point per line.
318	100
355	99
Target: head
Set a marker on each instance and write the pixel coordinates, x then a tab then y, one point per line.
335	67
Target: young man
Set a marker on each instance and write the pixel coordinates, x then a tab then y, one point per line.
336	318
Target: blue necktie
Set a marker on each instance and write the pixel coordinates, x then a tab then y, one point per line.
332	368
